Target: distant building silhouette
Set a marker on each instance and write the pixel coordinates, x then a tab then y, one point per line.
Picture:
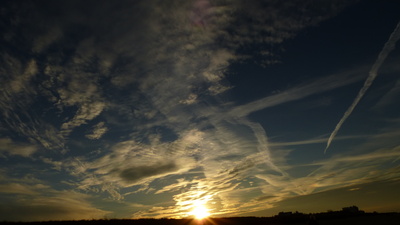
351	209
285	213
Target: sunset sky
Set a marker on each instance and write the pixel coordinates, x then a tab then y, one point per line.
133	109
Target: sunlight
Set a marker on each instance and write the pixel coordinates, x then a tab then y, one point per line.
200	212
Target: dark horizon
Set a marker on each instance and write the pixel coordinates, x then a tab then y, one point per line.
281	217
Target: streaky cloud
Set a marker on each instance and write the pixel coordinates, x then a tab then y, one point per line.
12	148
373	73
299	92
313	141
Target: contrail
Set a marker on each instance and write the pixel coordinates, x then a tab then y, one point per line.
373	73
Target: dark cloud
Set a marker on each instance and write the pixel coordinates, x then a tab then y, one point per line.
134	174
263	198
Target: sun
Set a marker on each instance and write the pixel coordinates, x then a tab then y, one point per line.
200	212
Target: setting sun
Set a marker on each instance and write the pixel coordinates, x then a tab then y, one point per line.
200	212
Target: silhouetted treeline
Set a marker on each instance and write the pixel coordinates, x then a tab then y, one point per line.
346	214
209	221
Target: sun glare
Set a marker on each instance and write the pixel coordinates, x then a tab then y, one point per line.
200	212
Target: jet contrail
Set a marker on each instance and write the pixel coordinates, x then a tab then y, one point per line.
373	73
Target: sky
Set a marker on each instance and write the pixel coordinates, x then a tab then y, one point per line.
149	109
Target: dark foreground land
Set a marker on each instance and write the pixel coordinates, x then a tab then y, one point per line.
364	219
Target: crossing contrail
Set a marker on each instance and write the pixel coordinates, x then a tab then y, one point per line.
373	73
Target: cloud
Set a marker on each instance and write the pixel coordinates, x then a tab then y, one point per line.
183	61
8	146
41	43
189	62
202	191
345	170
169	63
64	80
16	188
301	91
57	165
362	165
180	183
28	199
58	205
22	81
226	165
314	141
369	197
251	24
17	103
229	154
373	73
230	149
16	82
157	74
341	170
390	97
85	97
98	131
115	170
136	173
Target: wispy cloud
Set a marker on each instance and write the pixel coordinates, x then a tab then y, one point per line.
314	141
98	131
16	102
42	42
29	199
52	205
131	163
156	78
12	148
390	97
227	156
301	91
86	96
17	188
